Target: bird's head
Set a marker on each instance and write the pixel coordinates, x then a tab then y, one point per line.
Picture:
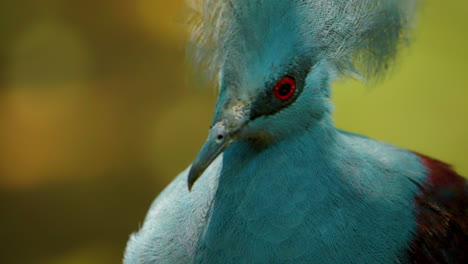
274	61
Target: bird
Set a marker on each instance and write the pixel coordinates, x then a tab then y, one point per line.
276	181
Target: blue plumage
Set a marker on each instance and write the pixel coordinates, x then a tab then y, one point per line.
306	208
357	36
276	182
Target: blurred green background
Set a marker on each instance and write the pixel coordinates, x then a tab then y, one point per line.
98	113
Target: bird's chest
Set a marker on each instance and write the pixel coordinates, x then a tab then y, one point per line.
280	233
294	211
283	225
248	230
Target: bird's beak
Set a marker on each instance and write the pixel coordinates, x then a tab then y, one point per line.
221	136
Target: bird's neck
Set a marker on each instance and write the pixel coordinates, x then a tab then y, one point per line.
244	164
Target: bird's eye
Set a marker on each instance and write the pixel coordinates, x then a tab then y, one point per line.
285	88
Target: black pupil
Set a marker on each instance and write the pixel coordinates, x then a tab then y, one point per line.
284	89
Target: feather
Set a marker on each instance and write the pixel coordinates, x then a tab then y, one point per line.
442	217
358	37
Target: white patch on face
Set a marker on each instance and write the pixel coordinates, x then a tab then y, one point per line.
239	110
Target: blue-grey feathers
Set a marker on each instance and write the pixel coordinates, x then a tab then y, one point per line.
356	36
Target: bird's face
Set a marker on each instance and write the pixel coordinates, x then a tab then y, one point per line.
271	93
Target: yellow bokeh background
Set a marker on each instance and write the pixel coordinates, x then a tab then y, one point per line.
98	112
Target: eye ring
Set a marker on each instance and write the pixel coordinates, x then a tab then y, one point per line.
285	88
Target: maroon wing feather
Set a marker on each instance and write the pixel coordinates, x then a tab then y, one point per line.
442	218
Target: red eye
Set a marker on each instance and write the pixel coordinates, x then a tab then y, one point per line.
285	88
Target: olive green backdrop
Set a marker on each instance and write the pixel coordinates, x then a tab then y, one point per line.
98	113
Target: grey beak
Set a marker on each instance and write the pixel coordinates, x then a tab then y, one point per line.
220	137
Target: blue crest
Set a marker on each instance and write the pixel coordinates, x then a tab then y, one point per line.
358	37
